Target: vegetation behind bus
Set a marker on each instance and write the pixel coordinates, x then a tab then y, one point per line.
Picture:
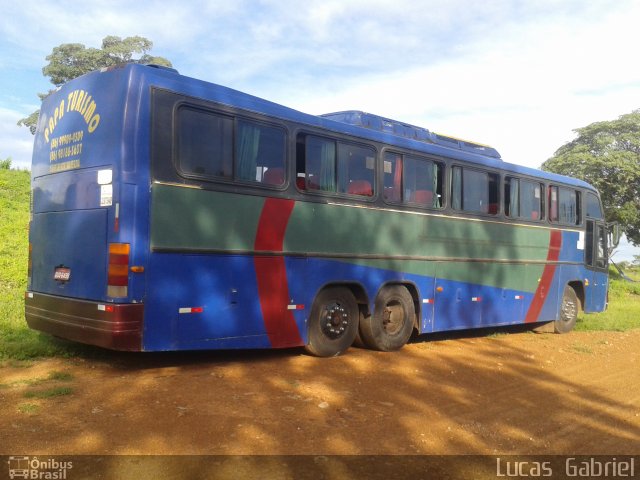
71	60
607	155
18	342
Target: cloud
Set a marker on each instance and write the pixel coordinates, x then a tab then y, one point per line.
518	75
17	142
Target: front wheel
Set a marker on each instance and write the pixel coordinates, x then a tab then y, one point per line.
333	322
568	311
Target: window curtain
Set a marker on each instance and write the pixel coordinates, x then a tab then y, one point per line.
247	153
456	189
514	198
328	166
435	202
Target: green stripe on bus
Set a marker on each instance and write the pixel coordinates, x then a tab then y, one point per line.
347	230
449	248
187	218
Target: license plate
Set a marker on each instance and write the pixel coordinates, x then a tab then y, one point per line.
62	274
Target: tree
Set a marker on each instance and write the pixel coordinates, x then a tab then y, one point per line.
5	164
70	60
607	155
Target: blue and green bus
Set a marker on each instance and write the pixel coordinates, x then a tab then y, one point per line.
170	213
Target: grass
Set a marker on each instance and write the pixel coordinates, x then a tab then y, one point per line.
623	312
28	408
17	341
49	393
20	344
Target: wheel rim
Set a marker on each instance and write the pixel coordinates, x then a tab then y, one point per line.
393	318
334	320
569	310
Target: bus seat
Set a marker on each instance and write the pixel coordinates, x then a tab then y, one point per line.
535	215
300	183
425	197
274	176
360	187
493	209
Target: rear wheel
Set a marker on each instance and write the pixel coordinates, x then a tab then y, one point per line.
391	324
568	311
333	322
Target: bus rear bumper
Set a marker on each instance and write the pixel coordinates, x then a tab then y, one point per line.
109	325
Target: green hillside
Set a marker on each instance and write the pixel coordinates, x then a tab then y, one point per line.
14	224
17	341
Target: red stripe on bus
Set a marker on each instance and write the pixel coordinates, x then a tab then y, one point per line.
271	274
555	244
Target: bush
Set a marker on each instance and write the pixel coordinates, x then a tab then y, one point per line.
5	164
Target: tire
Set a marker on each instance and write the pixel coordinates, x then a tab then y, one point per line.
568	311
391	324
333	322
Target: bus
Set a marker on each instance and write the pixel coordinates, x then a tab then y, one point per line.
170	213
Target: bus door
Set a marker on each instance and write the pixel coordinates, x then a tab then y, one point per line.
596	261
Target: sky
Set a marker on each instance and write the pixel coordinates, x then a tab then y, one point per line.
519	75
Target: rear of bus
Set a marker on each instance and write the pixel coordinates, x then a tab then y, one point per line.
85	254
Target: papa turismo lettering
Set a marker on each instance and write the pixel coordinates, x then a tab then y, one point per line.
77	101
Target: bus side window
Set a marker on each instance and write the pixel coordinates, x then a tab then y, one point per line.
553	204
319	164
522	199
531	203
392	166
512	197
260	153
601	254
422	182
475	191
204	143
593	206
564	206
356	169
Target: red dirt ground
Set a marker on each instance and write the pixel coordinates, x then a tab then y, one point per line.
515	393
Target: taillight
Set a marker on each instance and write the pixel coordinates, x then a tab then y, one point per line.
118	276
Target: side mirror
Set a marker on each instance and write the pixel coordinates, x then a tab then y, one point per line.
614	233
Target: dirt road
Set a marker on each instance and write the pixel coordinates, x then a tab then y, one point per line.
521	393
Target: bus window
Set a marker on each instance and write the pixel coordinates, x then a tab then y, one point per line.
588	252
205	148
422	182
392	167
474	191
593	206
356	167
522	199
601	254
553	204
330	166
259	153
320	164
512	197
564	206
413	180
205	144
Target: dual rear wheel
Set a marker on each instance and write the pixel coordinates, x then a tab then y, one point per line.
334	321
